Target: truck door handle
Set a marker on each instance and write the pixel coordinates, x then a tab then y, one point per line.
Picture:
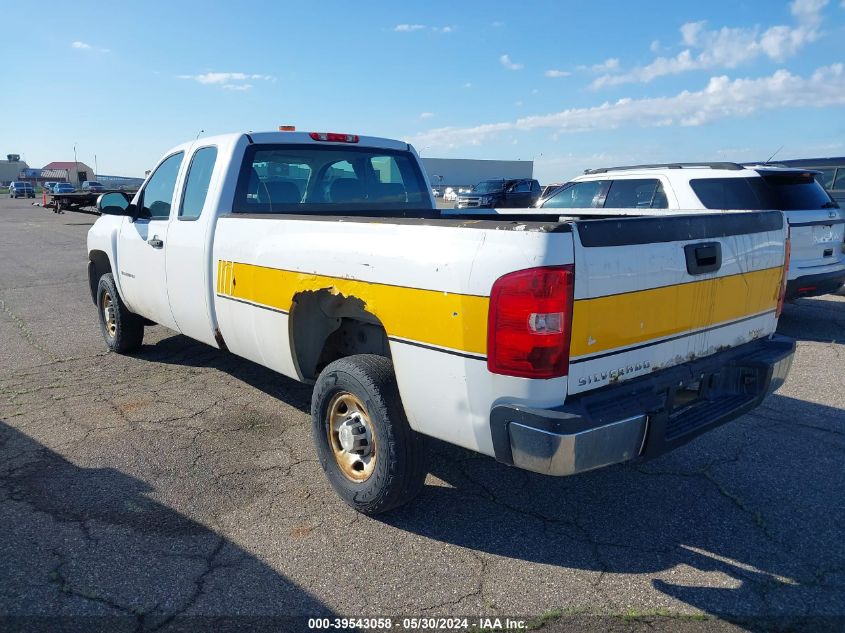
705	257
155	242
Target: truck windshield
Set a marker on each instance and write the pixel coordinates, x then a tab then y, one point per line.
489	186
304	179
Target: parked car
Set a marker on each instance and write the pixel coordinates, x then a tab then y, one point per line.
501	193
484	334
92	186
817	224
64	187
48	186
19	189
435	192
450	195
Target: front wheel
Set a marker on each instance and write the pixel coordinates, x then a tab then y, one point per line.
122	330
371	456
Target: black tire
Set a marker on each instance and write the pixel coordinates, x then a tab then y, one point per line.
399	470
125	332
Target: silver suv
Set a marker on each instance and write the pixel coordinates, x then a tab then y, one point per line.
817	224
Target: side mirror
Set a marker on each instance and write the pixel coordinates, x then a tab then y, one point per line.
114	203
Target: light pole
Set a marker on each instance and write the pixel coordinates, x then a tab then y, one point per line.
75	165
96	168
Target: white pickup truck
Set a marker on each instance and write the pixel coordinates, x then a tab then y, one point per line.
556	345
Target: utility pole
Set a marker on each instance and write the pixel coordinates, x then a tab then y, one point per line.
96	169
76	165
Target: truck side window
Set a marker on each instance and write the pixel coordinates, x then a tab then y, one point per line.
522	187
636	193
196	185
157	196
578	195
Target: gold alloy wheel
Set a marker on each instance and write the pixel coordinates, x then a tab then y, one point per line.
351	437
108	315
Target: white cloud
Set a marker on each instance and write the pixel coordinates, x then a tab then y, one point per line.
721	98
469	83
442	29
611	64
229	81
84	46
499	23
426	115
518	104
407	28
726	47
557	73
505	60
654	46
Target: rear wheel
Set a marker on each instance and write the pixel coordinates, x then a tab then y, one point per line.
122	330
371	456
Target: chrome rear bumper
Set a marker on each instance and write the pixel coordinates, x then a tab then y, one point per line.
642	418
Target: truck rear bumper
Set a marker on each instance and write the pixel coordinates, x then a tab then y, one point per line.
815	285
641	418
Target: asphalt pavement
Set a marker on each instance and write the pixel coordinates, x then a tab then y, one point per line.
179	485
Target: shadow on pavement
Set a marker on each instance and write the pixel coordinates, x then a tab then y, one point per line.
739	502
89	549
181	350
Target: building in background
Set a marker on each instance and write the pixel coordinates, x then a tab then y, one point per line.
77	171
11	168
464	172
37	177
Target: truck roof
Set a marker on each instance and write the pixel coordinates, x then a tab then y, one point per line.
298	138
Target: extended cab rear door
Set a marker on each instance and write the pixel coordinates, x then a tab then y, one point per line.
654	292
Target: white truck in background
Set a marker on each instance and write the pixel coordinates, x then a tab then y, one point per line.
558	346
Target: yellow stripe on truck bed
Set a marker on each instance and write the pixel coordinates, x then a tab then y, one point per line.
443	319
459	322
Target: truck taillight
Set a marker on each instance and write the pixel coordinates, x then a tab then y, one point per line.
787	254
529	324
334	137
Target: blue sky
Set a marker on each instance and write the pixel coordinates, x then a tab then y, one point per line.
570	85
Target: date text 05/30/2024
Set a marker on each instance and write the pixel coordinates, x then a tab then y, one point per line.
418	624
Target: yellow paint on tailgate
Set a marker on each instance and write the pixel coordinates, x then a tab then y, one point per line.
622	320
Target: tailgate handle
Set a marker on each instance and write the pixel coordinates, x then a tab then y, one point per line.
703	258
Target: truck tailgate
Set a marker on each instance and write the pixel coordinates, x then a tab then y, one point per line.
655	292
